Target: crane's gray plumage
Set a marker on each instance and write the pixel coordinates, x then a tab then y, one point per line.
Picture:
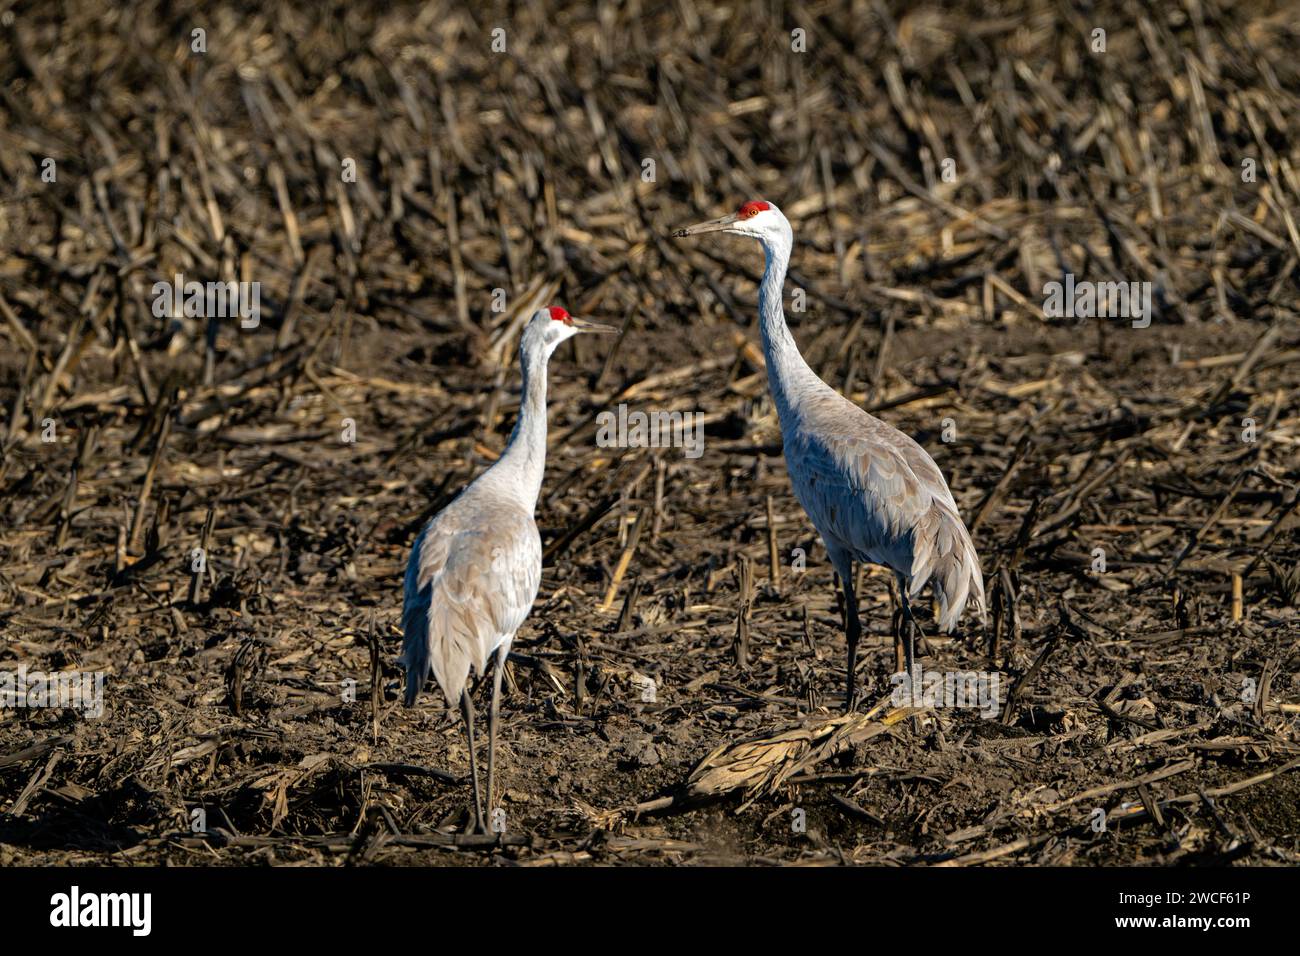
872	492
876	495
475	569
471	580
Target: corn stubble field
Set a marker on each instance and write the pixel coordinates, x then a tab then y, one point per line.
1127	689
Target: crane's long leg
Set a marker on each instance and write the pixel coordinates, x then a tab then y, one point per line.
909	630
896	625
852	624
853	633
502	653
909	652
467	711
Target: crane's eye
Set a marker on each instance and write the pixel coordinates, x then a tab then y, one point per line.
558	314
753	208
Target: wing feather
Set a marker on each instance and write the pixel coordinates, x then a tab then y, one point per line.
470	583
877	495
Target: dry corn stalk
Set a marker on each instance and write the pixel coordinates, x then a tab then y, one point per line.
761	766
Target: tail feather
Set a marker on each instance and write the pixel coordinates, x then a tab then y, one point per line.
416	663
415	652
458	650
944	553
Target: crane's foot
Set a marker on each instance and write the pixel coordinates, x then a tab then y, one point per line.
476	810
851	692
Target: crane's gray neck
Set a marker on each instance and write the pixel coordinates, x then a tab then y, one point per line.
522	464
788	375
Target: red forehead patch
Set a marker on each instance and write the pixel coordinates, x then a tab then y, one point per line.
559	315
753	208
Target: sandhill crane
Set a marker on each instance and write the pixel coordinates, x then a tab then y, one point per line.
872	492
475	568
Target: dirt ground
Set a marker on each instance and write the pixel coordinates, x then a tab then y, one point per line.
671	700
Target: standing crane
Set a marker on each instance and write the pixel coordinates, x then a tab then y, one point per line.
475	568
872	492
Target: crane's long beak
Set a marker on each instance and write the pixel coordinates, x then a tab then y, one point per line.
586	325
713	225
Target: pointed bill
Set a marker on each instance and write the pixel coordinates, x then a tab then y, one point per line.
586	325
713	225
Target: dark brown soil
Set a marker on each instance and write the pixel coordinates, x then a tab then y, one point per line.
245	692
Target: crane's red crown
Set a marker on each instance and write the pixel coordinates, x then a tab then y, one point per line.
559	315
753	208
